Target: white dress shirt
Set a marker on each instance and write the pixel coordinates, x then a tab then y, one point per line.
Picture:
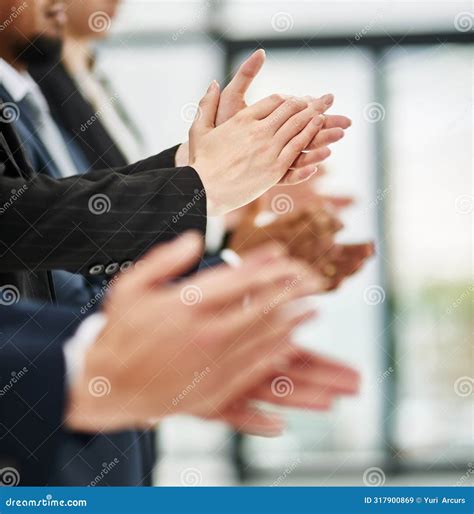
22	88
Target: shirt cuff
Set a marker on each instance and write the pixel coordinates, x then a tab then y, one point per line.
231	258
75	349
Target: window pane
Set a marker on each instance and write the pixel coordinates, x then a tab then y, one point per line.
430	228
348	328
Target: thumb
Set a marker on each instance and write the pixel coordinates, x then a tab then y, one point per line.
247	73
206	115
165	262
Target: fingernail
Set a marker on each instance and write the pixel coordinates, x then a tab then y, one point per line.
319	120
304	174
214	85
328	99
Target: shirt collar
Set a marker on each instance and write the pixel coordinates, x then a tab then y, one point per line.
15	82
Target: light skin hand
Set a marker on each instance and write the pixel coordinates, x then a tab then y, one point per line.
304	380
268	136
233	101
233	346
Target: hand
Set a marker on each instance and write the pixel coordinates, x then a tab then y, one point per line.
241	159
304	380
307	234
186	347
233	101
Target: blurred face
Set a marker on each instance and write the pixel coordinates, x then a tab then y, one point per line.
24	22
90	18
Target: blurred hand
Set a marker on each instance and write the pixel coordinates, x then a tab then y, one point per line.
161	337
307	234
233	101
248	154
303	380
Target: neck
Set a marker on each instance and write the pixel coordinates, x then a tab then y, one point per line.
76	55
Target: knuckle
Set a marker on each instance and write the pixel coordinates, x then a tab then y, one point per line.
276	98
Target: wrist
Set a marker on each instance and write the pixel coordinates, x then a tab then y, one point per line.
182	155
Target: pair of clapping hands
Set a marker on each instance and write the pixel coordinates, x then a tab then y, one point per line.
210	346
242	151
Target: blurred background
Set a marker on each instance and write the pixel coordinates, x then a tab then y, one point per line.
403	72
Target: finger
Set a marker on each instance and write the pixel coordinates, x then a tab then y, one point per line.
337	121
295	125
313	157
284	113
207	111
164	262
326	137
265	107
253	421
299	142
227	285
246	74
337	202
302	174
291	392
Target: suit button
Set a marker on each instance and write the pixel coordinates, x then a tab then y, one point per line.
98	269
126	265
112	268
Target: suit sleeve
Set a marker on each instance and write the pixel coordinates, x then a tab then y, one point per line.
97	218
32	394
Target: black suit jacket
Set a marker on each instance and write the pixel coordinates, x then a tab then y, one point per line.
88	224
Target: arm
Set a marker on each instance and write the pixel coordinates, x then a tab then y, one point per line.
99	217
32	386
